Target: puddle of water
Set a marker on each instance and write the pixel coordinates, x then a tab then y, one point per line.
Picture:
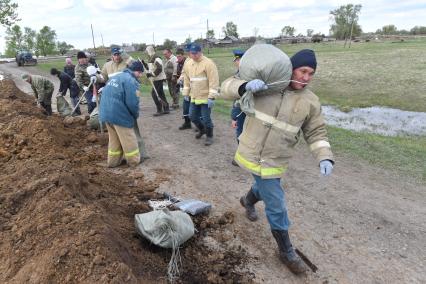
378	120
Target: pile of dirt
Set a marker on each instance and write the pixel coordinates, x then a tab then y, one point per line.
66	218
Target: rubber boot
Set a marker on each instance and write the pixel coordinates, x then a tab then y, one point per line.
287	254
159	111
166	110
201	131
248	201
186	124
209	136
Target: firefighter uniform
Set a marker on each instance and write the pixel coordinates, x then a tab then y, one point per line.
201	83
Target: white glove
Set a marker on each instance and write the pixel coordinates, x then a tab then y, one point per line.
93	79
85	88
91	70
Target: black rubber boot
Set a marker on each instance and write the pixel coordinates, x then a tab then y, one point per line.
186	124
201	131
209	137
287	254
248	201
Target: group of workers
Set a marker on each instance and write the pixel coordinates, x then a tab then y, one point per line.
272	110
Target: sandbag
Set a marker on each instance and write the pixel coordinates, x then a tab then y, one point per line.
164	228
93	122
63	107
267	63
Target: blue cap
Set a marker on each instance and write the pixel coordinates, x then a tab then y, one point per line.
116	50
238	53
187	47
136	66
195	48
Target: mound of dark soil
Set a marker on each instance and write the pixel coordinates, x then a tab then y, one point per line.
66	218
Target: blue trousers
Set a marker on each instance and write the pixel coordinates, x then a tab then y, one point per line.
240	123
90	105
200	114
185	108
272	194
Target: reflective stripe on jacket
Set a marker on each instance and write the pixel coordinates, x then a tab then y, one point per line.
269	137
201	80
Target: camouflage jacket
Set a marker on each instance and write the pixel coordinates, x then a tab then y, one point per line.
42	89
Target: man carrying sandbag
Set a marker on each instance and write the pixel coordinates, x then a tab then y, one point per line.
279	110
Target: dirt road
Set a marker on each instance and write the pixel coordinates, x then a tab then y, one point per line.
362	224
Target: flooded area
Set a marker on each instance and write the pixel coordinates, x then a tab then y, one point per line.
378	120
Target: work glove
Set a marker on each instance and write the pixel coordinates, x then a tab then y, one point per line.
210	103
186	98
326	167
256	85
93	79
85	88
149	75
91	70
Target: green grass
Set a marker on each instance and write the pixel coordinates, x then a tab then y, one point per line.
406	155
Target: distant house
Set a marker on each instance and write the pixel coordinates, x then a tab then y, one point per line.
129	48
229	40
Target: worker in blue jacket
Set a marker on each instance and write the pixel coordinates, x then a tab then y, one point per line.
119	109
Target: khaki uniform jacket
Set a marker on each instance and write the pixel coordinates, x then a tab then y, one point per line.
269	137
111	68
42	88
201	80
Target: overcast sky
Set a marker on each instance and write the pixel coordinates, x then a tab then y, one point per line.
127	21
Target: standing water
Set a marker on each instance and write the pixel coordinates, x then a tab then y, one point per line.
378	120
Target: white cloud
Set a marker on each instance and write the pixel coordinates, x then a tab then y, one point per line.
219	5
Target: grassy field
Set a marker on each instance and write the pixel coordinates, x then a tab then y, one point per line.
367	74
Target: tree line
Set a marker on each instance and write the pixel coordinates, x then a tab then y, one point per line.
42	42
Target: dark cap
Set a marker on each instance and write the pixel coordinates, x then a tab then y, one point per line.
116	50
238	53
81	54
187	47
136	66
195	48
305	57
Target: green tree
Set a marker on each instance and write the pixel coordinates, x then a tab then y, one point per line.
346	21
210	34
14	40
46	41
389	30
288	31
169	43
8	15
418	30
309	32
230	29
29	39
63	47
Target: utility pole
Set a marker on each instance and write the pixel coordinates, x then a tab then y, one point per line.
153	39
93	38
207	38
102	38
